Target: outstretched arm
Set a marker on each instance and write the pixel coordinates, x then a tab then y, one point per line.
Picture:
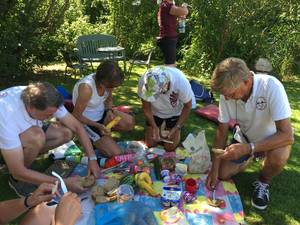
150	119
11	209
179	11
68	210
182	118
282	138
70	121
14	160
219	142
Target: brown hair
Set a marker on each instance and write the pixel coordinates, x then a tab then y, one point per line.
41	95
109	74
229	74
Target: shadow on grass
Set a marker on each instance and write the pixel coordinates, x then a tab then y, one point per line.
284	199
284	204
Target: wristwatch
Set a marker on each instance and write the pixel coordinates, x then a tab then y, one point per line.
91	158
252	148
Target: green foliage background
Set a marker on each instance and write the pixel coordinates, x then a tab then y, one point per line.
34	31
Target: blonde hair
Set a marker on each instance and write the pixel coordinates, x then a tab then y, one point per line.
229	74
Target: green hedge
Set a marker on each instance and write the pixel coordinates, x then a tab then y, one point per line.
35	31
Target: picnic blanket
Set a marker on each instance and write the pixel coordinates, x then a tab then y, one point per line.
197	212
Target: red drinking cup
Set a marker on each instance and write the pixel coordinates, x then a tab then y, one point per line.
191	185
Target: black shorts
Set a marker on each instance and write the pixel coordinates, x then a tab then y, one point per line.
170	122
45	127
168	47
92	131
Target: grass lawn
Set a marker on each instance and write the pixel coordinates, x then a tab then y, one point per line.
284	205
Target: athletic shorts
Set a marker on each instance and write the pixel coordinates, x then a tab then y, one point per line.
45	127
168	48
170	122
92	132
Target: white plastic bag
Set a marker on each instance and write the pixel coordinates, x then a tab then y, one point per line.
197	147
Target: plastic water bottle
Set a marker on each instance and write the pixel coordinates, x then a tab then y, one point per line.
181	25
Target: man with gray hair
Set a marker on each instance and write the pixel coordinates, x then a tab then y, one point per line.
260	106
23	135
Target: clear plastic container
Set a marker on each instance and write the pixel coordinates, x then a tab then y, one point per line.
125	193
181	25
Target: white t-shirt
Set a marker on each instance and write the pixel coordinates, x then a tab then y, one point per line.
14	119
268	103
95	107
171	103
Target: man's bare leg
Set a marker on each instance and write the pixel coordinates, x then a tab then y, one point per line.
228	168
33	141
176	139
126	123
274	163
56	135
108	146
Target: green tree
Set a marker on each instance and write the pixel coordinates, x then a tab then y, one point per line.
26	25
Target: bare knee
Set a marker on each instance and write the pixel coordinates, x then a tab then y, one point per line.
278	158
131	123
108	146
228	169
224	176
34	139
127	125
67	135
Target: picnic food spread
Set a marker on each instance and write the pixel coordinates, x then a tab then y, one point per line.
160	180
87	181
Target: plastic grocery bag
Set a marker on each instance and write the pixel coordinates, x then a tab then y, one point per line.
196	145
67	149
127	213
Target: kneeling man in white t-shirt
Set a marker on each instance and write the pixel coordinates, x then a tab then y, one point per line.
259	104
23	135
167	100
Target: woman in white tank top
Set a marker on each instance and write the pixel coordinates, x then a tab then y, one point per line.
92	99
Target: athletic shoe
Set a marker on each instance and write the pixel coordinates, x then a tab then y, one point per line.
260	196
21	188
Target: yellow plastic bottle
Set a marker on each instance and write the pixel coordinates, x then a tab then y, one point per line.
114	122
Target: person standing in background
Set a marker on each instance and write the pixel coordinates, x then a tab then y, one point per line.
167	20
263	66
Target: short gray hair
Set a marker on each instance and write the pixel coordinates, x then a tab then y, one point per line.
41	95
229	74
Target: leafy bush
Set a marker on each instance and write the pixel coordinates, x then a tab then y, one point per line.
248	30
35	31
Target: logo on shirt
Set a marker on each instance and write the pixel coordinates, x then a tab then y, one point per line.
261	103
174	99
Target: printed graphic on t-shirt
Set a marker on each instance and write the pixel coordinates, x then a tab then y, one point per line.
174	99
261	103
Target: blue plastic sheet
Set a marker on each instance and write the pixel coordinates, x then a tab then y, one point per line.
127	213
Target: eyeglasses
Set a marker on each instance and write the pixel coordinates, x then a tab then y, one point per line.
232	93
